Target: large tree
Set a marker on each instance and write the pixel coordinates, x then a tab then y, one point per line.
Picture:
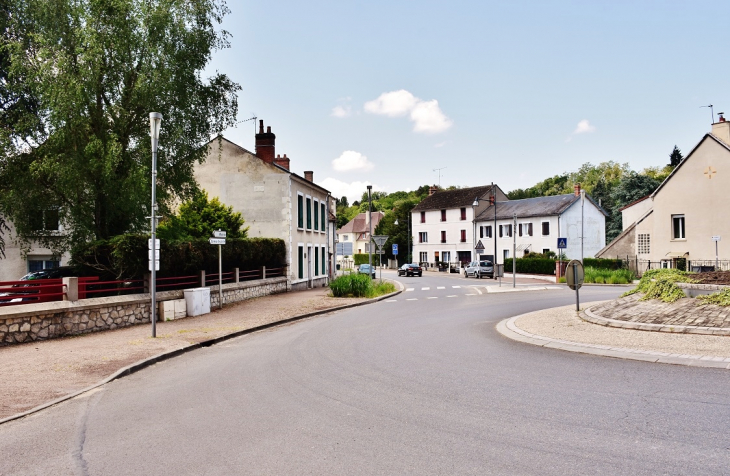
632	187
94	69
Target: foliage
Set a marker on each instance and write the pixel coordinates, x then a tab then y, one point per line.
359	285
126	256
531	265
608	276
675	157
603	263
364	258
199	217
93	71
631	188
661	284
721	298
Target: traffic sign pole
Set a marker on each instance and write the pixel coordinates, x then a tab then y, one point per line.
577	298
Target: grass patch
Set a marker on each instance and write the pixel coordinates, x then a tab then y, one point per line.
721	298
608	276
360	285
661	284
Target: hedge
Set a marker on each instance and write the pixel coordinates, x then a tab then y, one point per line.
531	265
126	256
362	258
603	263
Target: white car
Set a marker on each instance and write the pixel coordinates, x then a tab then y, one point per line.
479	269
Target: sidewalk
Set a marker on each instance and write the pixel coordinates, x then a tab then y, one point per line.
37	373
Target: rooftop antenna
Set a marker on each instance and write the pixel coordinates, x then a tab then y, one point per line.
251	119
712	113
439	171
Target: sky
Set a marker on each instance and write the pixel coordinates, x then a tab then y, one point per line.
399	94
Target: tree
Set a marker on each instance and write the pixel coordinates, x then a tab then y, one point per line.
94	70
199	218
675	157
631	188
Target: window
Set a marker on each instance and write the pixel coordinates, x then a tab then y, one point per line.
446	256
46	220
423	217
463	236
463	213
520	228
501	231
367	247
423	256
436	256
481	232
316	216
309	213
488	231
345	238
316	261
300	262
324	212
40	264
505	253
300	208
678	227
423	237
643	244
545	251
505	230
324	262
443	237
545	228
443	215
529	229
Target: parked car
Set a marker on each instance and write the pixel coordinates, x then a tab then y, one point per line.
50	273
479	269
410	269
366	269
26	289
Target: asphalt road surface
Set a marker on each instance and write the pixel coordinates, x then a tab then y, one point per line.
419	384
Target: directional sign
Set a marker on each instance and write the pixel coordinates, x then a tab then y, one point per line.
380	240
157	265
344	248
716	238
395	248
217	241
562	243
219	234
157	244
156	252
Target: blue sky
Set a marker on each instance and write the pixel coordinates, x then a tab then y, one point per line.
383	93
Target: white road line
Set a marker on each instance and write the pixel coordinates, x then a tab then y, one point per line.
391	300
425	289
412	299
453	295
409	289
432	297
456	287
440	287
471	294
477	290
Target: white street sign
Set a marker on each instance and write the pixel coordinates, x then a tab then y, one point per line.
157	254
157	265
716	238
219	234
149	244
217	241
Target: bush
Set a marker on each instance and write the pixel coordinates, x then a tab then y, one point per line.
618	276
359	285
721	298
602	263
531	265
661	284
363	258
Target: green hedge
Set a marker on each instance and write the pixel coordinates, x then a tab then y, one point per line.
362	258
126	256
602	263
531	265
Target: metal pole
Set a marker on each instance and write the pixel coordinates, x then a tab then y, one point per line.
717	258
575	275
220	277
153	227
514	250
370	231
582	203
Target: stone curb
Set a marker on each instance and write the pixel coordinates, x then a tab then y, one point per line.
589	316
509	329
137	366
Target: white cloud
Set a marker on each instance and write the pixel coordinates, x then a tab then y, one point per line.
584	127
353	190
351	160
426	115
341	111
440	144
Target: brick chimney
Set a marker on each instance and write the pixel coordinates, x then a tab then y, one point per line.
721	129
265	144
433	189
576	189
282	161
309	175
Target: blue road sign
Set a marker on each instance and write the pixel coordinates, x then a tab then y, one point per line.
562	243
395	249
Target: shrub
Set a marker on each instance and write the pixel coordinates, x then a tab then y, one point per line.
531	265
363	258
661	284
721	298
359	285
602	263
617	276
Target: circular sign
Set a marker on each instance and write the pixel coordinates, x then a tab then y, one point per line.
574	274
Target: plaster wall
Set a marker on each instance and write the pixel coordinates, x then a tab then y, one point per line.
631	214
14	265
594	230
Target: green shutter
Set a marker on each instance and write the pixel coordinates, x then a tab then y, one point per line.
316	217
309	214
323	215
324	268
301	211
316	261
301	263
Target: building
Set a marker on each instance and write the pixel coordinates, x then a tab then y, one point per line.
19	261
357	232
686	217
535	224
275	202
443	223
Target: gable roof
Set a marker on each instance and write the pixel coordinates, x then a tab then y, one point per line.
461	197
360	225
533	207
634	203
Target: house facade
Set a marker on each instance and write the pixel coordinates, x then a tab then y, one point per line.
443	224
357	232
275	202
686	218
16	263
535	224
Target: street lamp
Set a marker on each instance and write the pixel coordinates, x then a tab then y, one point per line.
370	231
582	204
408	239
155	123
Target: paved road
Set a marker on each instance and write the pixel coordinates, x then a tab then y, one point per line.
423	386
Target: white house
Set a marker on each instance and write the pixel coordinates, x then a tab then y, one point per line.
535	224
357	231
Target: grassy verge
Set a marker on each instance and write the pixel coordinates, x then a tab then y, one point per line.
606	276
360	285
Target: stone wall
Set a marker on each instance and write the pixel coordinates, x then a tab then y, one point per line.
32	322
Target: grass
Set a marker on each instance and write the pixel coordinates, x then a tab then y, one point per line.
661	284
359	285
606	276
721	298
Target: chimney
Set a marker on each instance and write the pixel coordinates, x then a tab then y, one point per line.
576	189
433	189
265	144
282	161
721	129
309	175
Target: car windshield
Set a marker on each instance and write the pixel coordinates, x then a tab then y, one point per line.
486	263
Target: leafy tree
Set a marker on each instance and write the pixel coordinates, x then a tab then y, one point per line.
199	218
631	188
675	157
93	70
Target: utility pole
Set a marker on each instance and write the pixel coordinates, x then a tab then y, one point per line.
370	231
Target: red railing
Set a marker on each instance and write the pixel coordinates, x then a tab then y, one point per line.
26	292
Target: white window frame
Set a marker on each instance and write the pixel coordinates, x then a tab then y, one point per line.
683	227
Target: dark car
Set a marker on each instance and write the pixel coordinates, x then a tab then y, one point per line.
51	273
26	289
410	269
366	269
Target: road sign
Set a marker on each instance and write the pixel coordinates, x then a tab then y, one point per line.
217	241
395	248
157	265
716	238
156	252
479	247
157	244
574	274
343	248
380	240
562	243
219	234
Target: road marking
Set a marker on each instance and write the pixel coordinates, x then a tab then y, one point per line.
391	300
456	287
477	290
471	295
453	295
412	299
409	289
425	289
440	287
432	297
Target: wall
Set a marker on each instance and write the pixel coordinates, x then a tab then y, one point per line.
594	230
308	238
634	212
452	226
42	321
14	266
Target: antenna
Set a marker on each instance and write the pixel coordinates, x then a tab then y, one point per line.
250	119
439	171
712	114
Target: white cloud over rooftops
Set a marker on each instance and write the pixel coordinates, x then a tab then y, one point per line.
351	160
426	116
352	190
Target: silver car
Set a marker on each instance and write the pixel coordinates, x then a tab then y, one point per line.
479	269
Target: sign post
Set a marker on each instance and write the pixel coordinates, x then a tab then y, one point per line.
716	238
562	244
220	239
380	241
574	276
395	253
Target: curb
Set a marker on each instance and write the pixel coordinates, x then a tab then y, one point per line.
593	318
137	366
509	329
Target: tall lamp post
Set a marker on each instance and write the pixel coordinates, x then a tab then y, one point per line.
408	238
370	231
155	123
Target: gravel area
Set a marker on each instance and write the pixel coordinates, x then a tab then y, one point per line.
39	372
563	323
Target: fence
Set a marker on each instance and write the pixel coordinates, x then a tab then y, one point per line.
639	266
